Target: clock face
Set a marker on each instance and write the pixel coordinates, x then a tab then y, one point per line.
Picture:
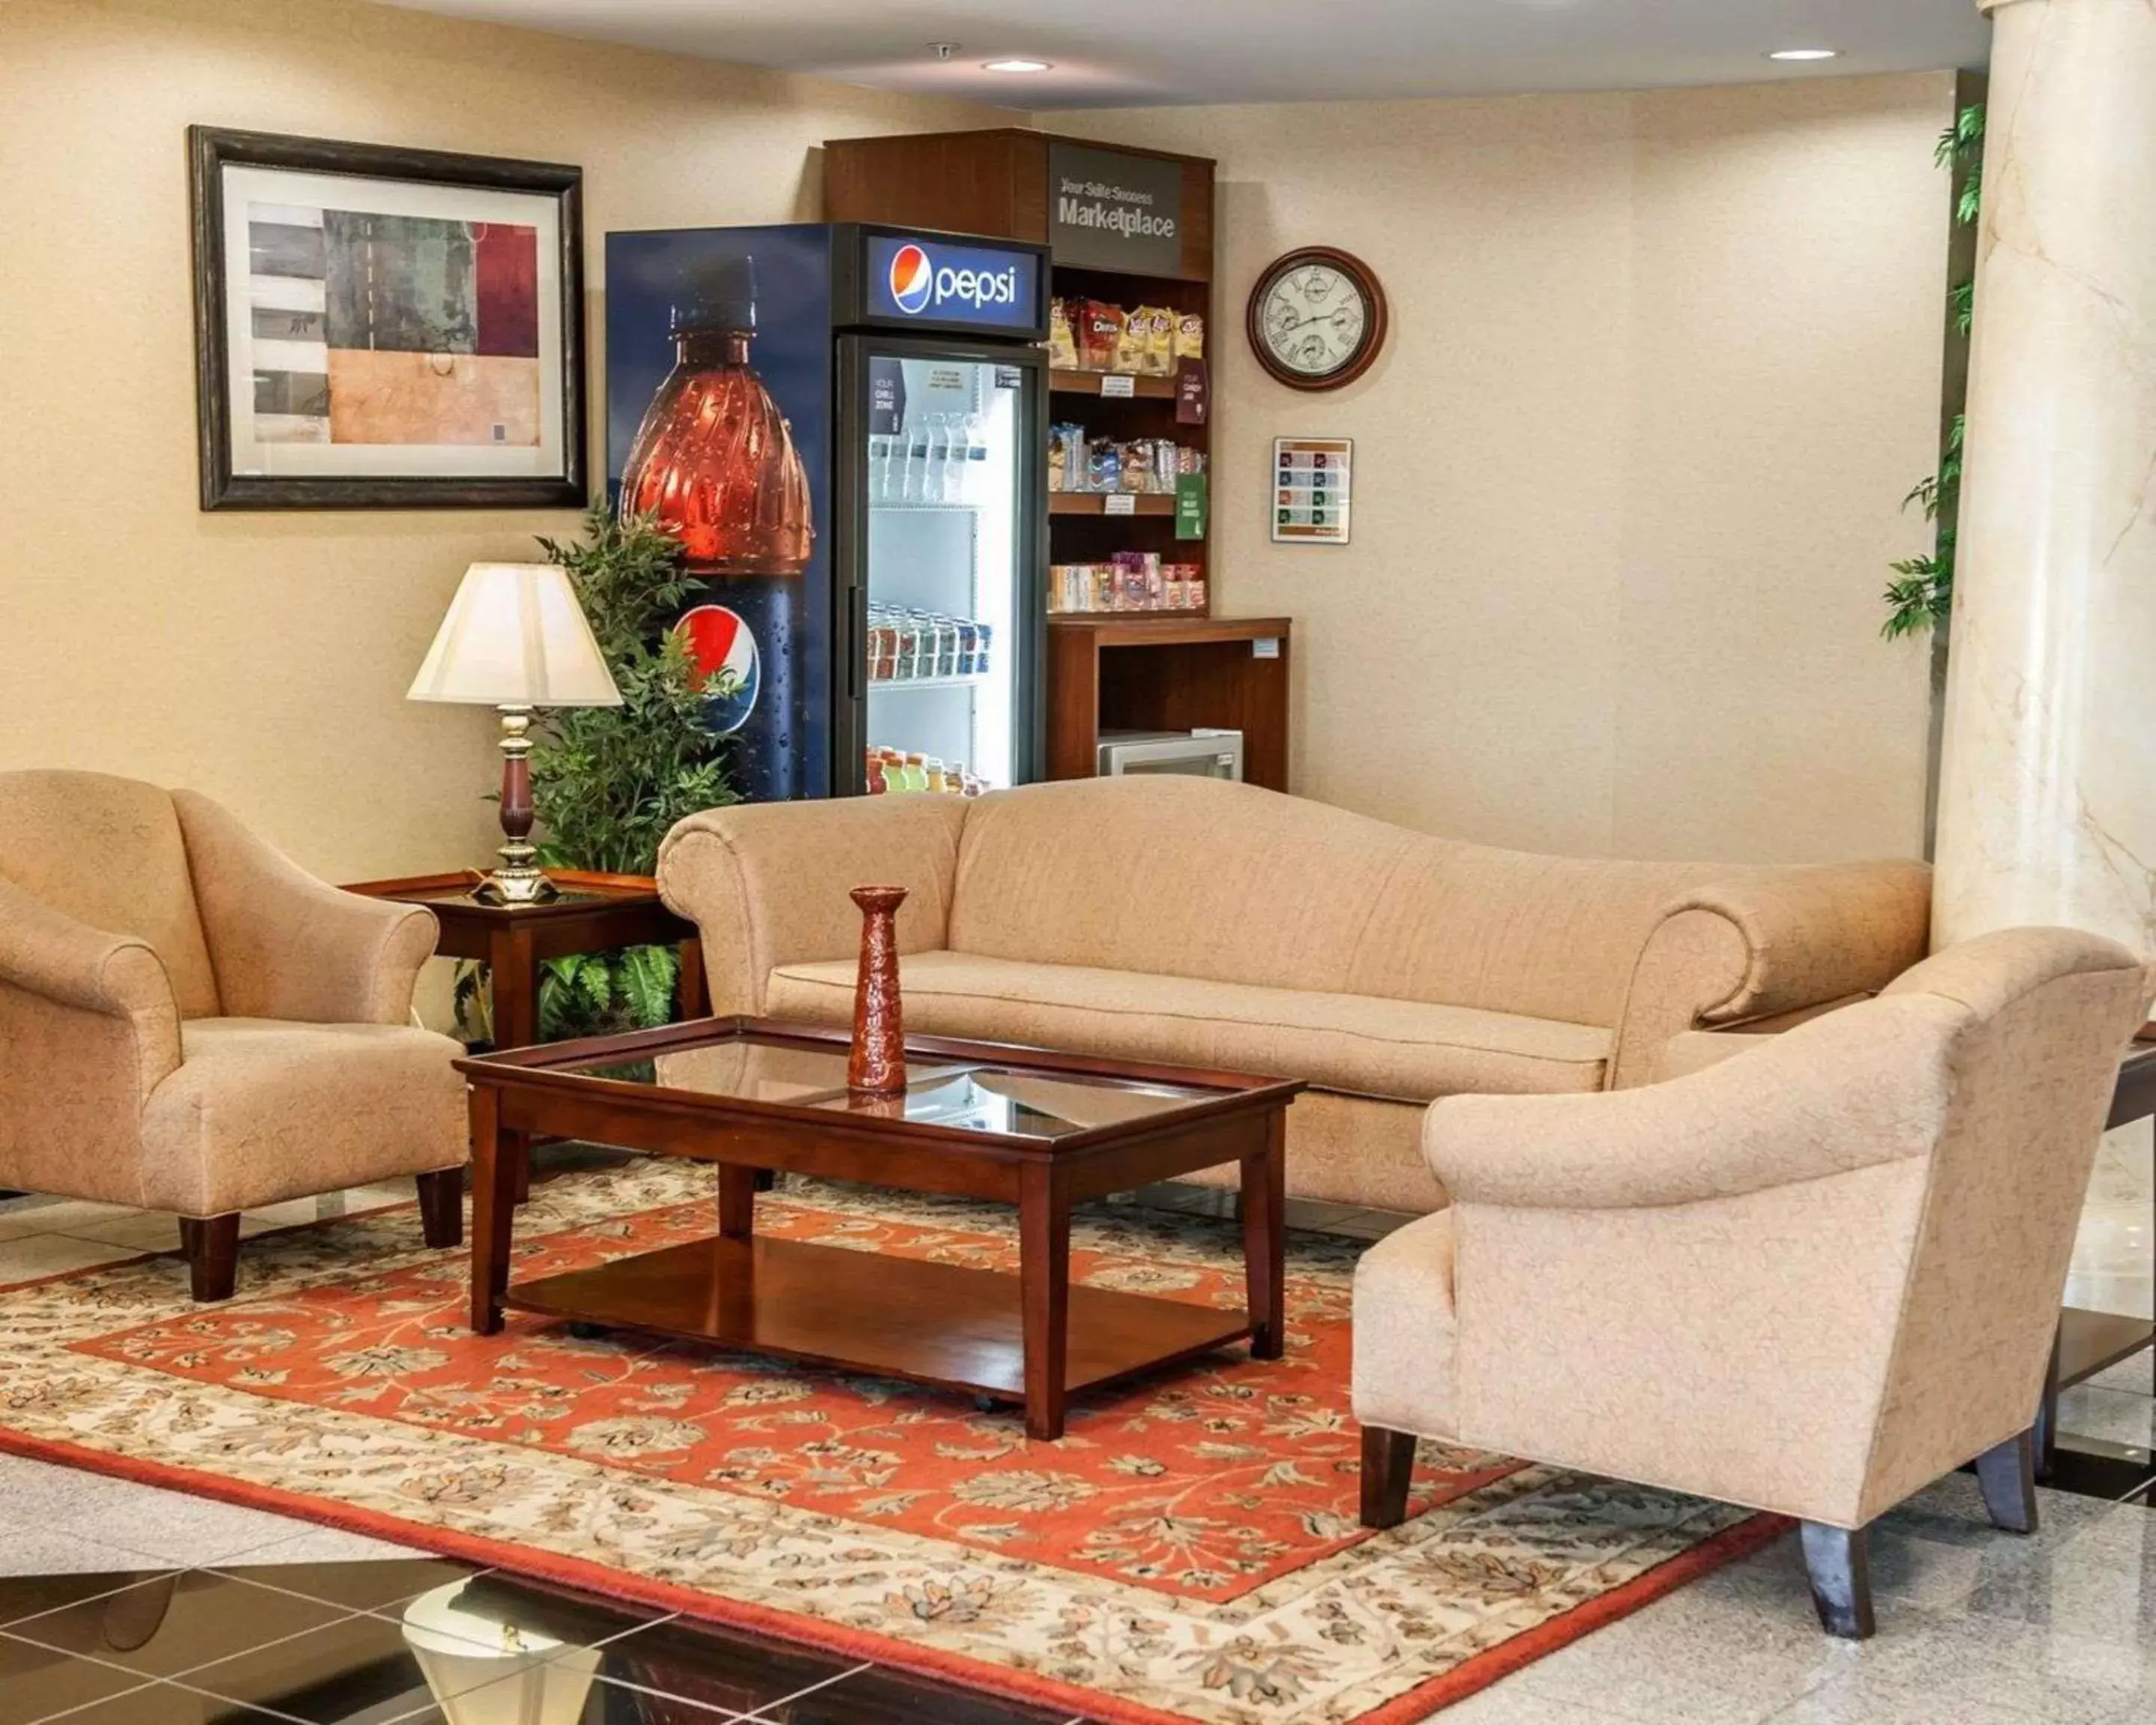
1314	319
1317	319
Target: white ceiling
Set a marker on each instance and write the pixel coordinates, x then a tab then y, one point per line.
1132	52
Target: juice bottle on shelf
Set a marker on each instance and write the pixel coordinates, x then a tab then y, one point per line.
973	487
915	773
938	782
916	462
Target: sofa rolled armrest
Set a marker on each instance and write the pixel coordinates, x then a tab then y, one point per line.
286	945
767	884
1774	942
1837	1093
55	968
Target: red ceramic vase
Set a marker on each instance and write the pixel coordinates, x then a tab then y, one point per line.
876	1064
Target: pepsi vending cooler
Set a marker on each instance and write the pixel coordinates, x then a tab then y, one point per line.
846	426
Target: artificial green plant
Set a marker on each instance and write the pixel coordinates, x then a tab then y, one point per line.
1922	593
608	782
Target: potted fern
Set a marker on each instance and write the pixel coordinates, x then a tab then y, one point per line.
608	782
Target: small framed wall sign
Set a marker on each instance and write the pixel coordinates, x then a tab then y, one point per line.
381	328
1313	478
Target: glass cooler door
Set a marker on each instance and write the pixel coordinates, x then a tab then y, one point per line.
945	576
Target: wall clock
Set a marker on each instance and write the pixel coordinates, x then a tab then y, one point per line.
1317	318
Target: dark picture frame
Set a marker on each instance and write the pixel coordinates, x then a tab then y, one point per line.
211	151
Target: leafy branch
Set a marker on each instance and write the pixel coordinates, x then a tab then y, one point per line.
609	782
1920	595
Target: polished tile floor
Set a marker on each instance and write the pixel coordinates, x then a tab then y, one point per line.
123	1605
49	1236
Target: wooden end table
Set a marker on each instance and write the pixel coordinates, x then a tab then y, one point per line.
2092	1341
1040	1130
595	913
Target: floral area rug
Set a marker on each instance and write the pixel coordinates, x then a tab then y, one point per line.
1189	1551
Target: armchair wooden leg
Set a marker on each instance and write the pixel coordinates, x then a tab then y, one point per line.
442	1206
211	1244
1388	1466
2007	1474
1840	1564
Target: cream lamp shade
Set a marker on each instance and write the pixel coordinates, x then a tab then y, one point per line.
515	636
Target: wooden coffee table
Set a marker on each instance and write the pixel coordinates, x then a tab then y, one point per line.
1039	1130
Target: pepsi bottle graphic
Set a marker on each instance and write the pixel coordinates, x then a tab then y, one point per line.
714	460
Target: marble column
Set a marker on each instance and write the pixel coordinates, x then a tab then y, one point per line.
2047	784
2047	795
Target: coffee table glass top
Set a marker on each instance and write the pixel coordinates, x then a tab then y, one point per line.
1019	1104
962	1096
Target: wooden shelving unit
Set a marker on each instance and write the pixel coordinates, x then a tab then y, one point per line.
1118	670
1139	671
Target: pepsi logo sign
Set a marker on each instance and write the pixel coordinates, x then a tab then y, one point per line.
729	670
912	279
918	282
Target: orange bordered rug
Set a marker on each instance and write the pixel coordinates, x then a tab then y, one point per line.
1188	1554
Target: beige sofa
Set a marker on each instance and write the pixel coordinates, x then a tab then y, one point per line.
1213	924
1811	1277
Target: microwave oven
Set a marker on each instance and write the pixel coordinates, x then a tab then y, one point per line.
1196	754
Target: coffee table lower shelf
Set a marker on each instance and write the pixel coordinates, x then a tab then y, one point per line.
939	1324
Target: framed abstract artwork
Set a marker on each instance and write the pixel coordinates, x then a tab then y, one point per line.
379	328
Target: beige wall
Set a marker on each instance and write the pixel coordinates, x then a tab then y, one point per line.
263	658
1629	471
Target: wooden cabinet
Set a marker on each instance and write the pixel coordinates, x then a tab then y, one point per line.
1106	671
994	181
1139	673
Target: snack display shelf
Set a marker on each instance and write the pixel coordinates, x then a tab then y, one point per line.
1096	502
1061	382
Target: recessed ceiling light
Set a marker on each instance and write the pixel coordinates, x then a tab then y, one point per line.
1804	53
1017	66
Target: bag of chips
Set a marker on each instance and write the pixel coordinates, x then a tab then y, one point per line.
1190	337
1159	340
1098	328
1131	340
1062	345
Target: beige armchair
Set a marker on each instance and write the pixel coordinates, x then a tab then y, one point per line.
189	1022
1810	1278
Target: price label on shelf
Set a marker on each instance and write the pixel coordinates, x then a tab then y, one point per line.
1119	503
1118	384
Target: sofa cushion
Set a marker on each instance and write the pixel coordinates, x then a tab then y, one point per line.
1406	1050
261	1110
1232	884
1188	877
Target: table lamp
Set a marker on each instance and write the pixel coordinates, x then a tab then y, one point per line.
515	639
